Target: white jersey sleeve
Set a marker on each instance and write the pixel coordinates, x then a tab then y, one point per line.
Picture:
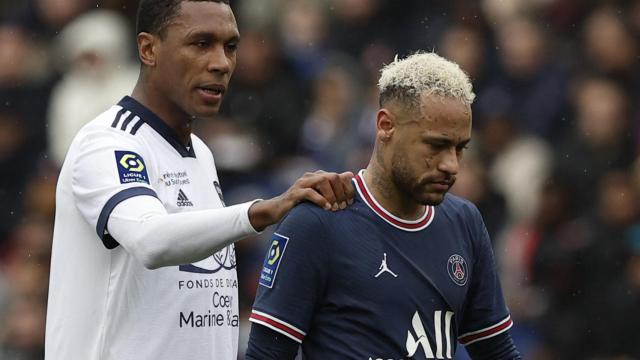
144	228
107	169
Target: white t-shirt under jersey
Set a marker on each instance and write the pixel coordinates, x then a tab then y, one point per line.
103	302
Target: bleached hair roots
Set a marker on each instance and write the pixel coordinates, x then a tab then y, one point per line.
423	72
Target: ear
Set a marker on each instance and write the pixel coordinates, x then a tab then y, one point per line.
385	125
147	48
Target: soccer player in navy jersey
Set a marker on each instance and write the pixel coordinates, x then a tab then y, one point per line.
407	271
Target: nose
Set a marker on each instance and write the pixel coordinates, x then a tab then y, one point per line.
449	162
218	61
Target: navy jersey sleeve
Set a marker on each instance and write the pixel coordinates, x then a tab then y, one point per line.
266	344
486	314
293	275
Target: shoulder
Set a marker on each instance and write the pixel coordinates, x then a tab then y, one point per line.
114	124
306	212
460	207
305	220
97	142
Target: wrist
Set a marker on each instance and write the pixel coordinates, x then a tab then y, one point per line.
263	213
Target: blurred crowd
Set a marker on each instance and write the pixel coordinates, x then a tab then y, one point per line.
554	165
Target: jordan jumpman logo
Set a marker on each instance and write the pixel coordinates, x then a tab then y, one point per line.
383	267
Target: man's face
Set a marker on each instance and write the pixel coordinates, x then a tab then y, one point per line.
426	148
196	58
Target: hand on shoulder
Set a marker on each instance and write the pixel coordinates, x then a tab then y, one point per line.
329	190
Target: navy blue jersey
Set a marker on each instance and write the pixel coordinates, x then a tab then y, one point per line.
361	283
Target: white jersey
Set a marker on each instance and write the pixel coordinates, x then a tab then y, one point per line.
103	303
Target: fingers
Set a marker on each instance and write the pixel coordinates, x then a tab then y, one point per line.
347	184
315	197
337	189
343	188
325	188
330	191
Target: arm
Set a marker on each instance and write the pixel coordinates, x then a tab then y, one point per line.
145	229
486	321
500	347
123	206
266	344
292	282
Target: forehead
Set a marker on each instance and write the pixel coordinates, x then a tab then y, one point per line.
204	16
444	114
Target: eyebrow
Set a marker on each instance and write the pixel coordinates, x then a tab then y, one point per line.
445	140
209	35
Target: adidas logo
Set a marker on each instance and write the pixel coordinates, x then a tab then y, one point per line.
183	200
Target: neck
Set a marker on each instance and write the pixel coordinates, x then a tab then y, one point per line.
399	203
167	111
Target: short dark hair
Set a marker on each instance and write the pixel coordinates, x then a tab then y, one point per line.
154	15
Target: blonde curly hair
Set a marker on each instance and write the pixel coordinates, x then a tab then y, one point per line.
423	72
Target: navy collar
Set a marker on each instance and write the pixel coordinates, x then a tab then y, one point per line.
158	125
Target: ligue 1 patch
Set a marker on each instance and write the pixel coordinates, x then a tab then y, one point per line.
272	260
131	167
457	269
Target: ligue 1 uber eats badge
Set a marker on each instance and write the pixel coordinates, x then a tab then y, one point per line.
131	167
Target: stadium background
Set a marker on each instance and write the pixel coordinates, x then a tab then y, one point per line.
553	164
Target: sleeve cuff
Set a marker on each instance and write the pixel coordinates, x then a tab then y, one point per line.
245	219
101	226
486	333
275	324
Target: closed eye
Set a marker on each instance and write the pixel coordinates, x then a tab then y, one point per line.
233	46
201	43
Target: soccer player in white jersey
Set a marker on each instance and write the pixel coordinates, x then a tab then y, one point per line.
143	264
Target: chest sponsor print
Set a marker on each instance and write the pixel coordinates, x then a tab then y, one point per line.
224	259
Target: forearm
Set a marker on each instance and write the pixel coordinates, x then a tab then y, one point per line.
144	228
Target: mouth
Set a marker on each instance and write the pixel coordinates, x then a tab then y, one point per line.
211	92
442	185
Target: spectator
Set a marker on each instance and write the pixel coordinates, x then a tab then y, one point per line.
98	70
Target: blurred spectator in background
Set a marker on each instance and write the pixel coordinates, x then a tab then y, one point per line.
517	162
21	61
265	95
472	183
45	18
328	135
534	80
466	46
611	48
601	139
303	32
25	267
357	24
94	53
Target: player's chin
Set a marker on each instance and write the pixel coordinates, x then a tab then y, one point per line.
206	110
432	198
